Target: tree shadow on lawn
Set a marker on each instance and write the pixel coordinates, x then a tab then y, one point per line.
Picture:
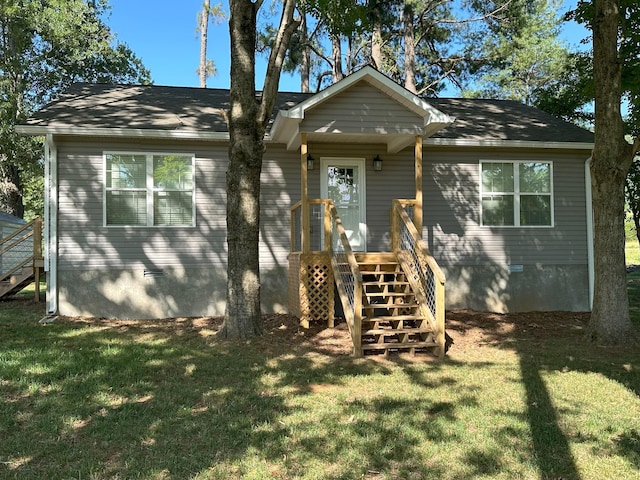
107	399
552	342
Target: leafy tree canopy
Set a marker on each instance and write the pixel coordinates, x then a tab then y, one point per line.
45	46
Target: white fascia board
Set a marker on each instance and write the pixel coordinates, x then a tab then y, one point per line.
471	142
434	125
400	143
121	132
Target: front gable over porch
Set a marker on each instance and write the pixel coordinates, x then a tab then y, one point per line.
366	107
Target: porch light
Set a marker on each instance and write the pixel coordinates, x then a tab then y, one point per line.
310	162
377	163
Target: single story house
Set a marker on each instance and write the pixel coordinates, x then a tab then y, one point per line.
135	221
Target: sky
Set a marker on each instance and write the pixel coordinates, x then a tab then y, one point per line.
163	34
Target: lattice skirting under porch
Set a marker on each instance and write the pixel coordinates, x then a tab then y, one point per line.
311	288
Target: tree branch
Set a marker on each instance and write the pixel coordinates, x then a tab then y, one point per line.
276	58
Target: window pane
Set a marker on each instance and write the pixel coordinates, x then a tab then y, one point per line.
497	177
126	171
497	210
172	208
343	185
535	177
172	172
126	207
535	210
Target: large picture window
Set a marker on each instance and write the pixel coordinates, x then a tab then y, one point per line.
516	194
149	189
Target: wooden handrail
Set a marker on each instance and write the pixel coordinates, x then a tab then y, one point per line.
423	249
424	257
352	311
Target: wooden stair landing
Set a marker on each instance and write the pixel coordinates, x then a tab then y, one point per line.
391	318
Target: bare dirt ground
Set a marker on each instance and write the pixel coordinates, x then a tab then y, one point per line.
466	329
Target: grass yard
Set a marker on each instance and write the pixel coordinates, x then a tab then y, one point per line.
518	397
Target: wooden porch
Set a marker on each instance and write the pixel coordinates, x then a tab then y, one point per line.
391	301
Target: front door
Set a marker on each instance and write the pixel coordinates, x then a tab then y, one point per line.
343	181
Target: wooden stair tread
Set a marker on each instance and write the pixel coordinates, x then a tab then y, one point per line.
383	283
385	346
388	294
396	331
391	305
393	318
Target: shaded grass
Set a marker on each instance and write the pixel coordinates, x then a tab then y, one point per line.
154	400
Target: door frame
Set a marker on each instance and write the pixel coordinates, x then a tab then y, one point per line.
324	188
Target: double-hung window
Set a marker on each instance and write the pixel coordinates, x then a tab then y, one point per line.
148	189
518	194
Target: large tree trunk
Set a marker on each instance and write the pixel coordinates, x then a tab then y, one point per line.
242	316
11	190
203	27
336	57
248	119
376	43
305	63
612	156
409	49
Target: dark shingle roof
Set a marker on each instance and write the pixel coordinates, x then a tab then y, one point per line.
505	120
197	109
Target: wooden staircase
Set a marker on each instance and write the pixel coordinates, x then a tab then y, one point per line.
16	282
21	261
391	315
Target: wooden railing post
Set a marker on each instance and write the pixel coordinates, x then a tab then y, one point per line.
357	319
328	230
417	210
440	335
37	255
306	224
395	226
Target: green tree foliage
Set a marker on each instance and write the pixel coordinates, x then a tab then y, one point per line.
45	46
519	50
418	43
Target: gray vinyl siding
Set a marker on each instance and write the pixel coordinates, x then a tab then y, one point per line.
396	180
83	241
363	109
452	214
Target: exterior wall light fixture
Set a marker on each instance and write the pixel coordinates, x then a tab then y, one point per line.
377	163
310	161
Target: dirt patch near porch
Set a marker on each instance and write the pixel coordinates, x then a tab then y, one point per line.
466	329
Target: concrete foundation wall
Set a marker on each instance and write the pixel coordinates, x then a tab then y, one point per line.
536	288
175	292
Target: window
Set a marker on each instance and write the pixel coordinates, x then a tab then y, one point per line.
516	193
149	189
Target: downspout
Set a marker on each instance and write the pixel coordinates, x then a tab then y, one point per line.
589	201
51	223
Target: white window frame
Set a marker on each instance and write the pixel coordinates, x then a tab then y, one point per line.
517	193
149	188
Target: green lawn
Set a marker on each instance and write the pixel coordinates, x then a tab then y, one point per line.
632	247
165	400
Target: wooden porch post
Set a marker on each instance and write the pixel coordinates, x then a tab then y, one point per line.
306	241
417	210
37	255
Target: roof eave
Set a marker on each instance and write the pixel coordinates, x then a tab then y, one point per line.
500	143
36	130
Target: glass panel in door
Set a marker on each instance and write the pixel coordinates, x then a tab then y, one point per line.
345	186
